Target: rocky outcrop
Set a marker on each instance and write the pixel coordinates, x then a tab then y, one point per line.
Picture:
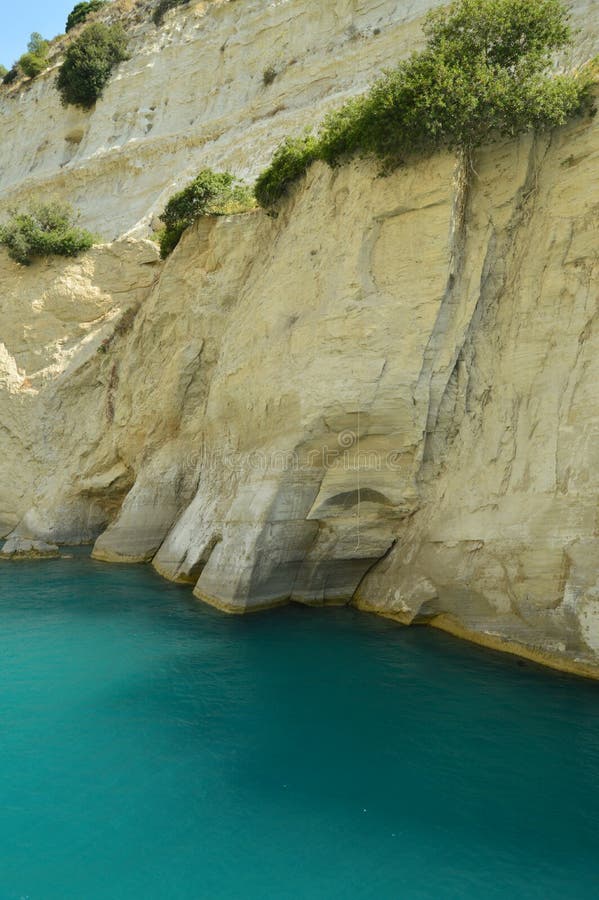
505	545
58	319
385	395
193	94
20	548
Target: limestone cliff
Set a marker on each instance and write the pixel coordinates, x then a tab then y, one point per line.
386	395
192	94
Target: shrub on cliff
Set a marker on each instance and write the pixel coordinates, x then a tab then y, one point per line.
291	159
210	194
88	63
45	229
81	11
11	76
485	72
36	59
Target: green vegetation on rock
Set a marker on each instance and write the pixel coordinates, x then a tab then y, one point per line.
292	158
36	59
81	11
11	75
485	72
209	194
88	63
45	229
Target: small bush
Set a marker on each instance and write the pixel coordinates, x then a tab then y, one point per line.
11	76
291	160
46	229
88	64
210	194
3	71
81	11
36	59
32	65
485	72
163	7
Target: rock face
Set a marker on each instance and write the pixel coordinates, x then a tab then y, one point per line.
386	395
19	548
193	94
57	316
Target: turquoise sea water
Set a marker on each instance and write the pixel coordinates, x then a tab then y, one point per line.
152	748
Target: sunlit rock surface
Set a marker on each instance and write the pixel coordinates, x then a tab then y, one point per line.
386	395
21	548
192	94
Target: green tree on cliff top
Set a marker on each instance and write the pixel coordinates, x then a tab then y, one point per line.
88	63
485	72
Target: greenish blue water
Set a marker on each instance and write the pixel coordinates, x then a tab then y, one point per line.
152	748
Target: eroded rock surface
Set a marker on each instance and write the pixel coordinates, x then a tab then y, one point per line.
386	395
21	548
193	94
371	397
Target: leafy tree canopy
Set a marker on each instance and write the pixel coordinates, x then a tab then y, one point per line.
36	59
88	63
81	11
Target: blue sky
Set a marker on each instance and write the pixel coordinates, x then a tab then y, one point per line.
20	17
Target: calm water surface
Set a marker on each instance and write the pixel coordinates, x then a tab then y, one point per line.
152	748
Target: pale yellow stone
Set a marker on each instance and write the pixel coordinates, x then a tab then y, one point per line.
367	399
192	95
